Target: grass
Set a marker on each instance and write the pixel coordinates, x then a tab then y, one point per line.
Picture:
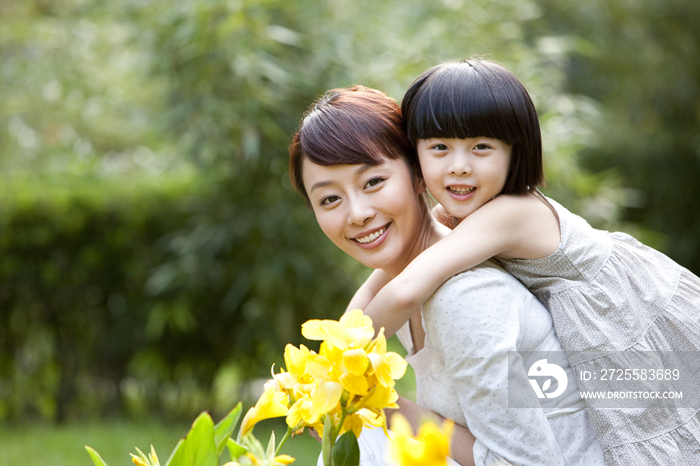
40	445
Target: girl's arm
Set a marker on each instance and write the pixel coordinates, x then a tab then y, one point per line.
462	442
368	290
501	226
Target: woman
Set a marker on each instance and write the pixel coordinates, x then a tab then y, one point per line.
471	341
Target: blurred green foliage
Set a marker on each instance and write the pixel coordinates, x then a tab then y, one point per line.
640	60
153	254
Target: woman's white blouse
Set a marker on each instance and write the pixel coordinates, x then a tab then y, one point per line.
472	322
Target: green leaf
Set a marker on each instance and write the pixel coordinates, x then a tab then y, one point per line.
96	458
199	447
224	429
346	451
235	449
175	451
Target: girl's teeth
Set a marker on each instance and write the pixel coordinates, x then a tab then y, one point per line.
371	237
462	190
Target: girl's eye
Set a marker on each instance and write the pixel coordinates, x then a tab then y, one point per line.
328	200
482	147
440	147
372	182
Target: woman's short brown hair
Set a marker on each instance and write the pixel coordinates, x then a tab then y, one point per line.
349	126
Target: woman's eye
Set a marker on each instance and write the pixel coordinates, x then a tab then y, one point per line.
374	181
328	200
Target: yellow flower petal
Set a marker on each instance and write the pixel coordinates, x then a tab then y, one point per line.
400	425
326	397
284	459
271	404
294	415
285	380
436	441
353	330
295	359
354	423
429	448
379	343
359	325
356	361
370	419
319	368
377	398
382	369
354	384
397	363
328	330
302	413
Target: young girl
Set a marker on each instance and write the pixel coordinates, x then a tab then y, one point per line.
612	299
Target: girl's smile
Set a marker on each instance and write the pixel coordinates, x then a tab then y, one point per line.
464	174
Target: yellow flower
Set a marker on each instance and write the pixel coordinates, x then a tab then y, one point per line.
284	459
360	419
429	448
353	330
387	366
352	372
281	460
296	360
143	460
271	404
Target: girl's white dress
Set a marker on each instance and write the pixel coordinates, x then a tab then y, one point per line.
614	303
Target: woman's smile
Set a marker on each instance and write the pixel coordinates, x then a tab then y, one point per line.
374	238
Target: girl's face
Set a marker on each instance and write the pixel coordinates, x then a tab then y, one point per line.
464	174
373	213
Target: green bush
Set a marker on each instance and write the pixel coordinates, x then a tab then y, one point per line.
104	307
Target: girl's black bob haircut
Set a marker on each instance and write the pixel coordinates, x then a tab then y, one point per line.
478	98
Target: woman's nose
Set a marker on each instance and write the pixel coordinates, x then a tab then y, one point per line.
360	211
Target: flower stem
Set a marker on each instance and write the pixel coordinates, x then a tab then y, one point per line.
284	439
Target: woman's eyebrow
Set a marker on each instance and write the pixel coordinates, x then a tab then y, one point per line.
360	170
319	184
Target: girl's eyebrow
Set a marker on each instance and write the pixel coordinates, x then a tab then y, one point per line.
360	170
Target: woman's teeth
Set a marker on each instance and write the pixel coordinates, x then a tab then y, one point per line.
371	237
461	190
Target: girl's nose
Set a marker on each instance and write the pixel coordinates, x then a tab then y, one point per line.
460	166
459	163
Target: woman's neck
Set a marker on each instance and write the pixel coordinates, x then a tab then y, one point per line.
430	233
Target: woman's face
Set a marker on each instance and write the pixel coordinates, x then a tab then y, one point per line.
373	213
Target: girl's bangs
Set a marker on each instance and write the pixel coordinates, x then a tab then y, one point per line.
460	116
